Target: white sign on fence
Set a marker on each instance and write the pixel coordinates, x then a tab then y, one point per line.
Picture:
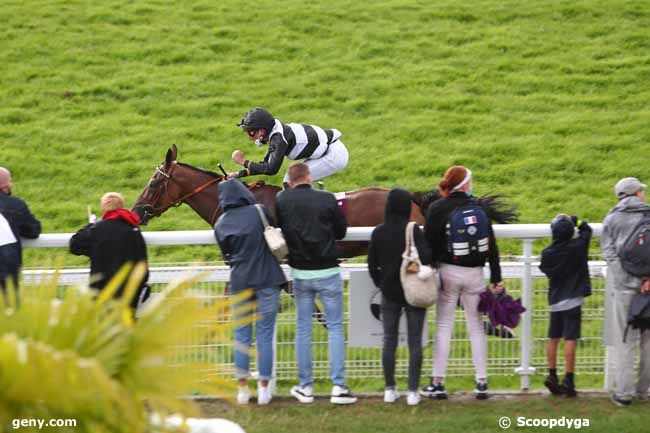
364	306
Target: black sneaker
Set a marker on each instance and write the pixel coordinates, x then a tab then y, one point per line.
553	385
481	390
620	401
434	390
342	395
568	389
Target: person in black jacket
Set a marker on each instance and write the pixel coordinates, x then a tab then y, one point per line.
312	221
461	271
16	221
565	263
387	244
112	242
239	233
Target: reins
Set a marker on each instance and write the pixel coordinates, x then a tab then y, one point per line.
179	201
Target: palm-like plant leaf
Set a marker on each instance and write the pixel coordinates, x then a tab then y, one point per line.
81	356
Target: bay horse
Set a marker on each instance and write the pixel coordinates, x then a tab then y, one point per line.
174	183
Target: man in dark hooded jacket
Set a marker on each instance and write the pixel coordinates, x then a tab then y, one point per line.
387	244
565	263
240	235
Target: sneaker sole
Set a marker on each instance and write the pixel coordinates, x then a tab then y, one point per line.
620	403
434	395
553	388
302	398
569	392
343	400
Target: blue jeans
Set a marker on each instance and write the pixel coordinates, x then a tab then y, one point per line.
266	307
330	290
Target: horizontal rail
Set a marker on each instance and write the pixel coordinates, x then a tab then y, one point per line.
206	237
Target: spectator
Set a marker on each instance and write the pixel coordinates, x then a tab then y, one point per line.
565	264
387	245
15	221
461	238
239	232
312	221
111	243
622	286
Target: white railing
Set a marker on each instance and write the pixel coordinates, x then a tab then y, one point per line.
521	275
206	237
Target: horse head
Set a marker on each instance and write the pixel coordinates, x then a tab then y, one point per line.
173	184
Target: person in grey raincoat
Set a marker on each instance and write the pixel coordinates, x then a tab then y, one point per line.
620	287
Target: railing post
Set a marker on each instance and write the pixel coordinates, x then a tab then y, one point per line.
526	341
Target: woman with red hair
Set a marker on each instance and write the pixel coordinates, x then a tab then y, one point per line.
459	230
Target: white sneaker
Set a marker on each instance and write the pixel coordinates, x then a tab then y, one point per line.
342	395
304	394
412	398
390	395
243	395
264	395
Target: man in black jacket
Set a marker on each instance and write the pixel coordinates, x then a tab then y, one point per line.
312	221
565	263
110	243
16	221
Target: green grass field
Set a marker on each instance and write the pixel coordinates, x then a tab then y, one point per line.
459	414
546	102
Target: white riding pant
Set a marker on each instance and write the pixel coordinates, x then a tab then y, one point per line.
466	283
334	160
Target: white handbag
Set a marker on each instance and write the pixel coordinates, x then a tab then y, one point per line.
273	236
420	283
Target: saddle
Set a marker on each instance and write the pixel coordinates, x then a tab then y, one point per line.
342	202
255	184
340	196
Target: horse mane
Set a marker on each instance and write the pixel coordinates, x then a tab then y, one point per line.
202	170
370	188
495	206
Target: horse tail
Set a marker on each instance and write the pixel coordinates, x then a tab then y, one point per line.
495	206
498	210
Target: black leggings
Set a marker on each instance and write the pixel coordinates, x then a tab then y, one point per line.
391	312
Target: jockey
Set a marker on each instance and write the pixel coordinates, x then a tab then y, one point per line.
321	148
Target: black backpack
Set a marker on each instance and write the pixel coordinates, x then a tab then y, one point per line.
638	315
468	232
635	251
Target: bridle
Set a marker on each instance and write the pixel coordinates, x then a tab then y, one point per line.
150	211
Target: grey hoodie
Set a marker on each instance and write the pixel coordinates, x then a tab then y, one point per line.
239	233
617	227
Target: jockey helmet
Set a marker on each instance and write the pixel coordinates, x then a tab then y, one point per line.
257	118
